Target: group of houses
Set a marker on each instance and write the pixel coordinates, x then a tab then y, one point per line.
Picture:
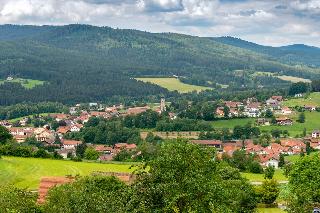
253	109
265	155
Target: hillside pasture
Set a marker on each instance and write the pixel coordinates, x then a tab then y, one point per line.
173	84
26	83
292	79
311	123
312	99
27	172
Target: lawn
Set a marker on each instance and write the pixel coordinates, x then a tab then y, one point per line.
174	84
27	172
293	79
312	99
270	210
282	77
230	123
294	158
312	123
20	118
26	83
278	175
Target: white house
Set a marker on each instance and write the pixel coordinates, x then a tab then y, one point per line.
76	128
70	144
315	134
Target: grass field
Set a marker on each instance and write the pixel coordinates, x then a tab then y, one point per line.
312	99
294	158
293	79
26	83
278	175
27	172
270	210
282	77
312	123
20	118
232	122
174	84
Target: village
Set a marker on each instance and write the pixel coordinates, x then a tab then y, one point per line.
77	117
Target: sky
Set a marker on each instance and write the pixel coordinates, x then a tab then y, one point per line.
267	22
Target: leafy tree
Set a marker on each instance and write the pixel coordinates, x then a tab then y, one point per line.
13	199
192	182
304	184
269	172
302	118
255	167
299	87
281	160
89	194
4	135
91	154
80	150
269	191
226	111
269	113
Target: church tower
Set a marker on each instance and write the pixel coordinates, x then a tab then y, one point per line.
163	105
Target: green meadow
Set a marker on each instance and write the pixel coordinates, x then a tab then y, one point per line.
173	84
27	172
278	175
311	123
312	99
26	83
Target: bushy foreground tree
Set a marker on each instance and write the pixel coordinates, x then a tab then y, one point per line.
17	200
304	184
182	178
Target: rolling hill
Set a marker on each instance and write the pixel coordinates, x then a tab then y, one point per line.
82	63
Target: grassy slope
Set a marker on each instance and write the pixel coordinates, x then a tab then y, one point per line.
174	84
278	175
20	118
312	122
270	210
294	158
312	99
27	172
27	83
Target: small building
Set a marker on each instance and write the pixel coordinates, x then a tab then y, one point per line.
284	121
70	144
286	111
263	122
209	143
269	160
315	134
310	107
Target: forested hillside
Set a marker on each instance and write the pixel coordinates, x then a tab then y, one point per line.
87	63
297	54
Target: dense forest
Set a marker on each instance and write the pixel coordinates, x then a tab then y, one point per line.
82	63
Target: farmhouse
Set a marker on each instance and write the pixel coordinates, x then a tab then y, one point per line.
76	127
284	121
70	144
210	143
286	111
269	160
315	134
310	107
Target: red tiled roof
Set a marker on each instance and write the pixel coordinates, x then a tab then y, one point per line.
207	142
71	142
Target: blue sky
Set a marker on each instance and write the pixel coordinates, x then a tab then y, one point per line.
269	22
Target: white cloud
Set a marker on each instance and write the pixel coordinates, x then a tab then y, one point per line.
267	22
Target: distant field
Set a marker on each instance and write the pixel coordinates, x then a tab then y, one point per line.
278	175
293	79
282	77
27	83
270	210
27	172
174	84
20	118
312	99
312	123
230	123
294	158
